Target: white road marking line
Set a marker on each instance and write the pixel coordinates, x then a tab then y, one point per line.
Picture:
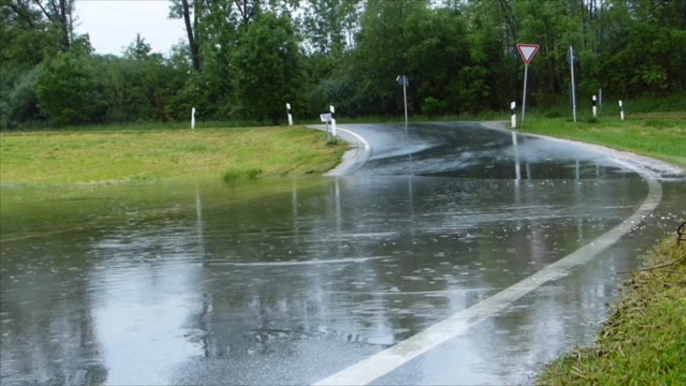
382	363
305	262
359	138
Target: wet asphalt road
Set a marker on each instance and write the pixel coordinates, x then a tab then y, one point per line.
289	282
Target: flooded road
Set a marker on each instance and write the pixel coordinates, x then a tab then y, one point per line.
292	281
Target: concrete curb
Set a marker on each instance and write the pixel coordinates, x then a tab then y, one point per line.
354	158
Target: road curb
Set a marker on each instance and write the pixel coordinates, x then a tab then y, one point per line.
354	158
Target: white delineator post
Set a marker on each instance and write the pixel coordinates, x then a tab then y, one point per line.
290	114
333	120
621	110
193	118
513	113
595	107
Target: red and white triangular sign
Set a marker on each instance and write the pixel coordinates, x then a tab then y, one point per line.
527	51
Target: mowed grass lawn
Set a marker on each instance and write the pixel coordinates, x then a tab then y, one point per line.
90	156
657	135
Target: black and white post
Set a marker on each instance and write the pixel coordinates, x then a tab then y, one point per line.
404	81
621	110
595	107
513	113
333	121
193	118
290	114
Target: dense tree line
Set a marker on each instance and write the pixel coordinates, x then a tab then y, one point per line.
244	59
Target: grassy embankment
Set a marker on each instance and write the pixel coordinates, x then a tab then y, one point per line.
644	341
658	135
130	153
654	127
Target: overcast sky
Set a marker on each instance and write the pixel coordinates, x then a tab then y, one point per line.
113	24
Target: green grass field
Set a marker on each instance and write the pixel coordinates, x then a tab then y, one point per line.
658	135
133	155
644	341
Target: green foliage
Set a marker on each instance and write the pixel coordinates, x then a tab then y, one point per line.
235	175
267	67
245	60
66	89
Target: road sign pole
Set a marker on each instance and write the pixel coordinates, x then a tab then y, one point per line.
526	76
571	65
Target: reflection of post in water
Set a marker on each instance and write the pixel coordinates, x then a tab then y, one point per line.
198	214
579	201
411	204
338	205
518	173
295	210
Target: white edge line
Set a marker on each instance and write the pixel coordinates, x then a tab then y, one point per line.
382	363
344	260
359	138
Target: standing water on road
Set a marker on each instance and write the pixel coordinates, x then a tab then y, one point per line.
289	281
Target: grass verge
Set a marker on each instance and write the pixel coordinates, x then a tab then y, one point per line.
644	341
130	155
658	135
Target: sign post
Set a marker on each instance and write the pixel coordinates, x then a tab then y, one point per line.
527	52
404	81
326	119
570	59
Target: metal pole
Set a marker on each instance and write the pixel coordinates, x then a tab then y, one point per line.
405	98
526	76
571	64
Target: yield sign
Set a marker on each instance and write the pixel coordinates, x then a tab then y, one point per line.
527	51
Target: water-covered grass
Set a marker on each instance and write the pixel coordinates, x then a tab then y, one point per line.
644	341
660	135
143	154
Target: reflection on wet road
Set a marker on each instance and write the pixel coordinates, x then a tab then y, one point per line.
290	281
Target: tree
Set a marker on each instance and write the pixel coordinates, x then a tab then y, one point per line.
267	63
66	89
183	9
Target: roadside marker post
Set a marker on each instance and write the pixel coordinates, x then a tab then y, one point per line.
333	121
513	113
595	108
527	52
404	81
600	98
570	60
290	114
621	110
193	118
